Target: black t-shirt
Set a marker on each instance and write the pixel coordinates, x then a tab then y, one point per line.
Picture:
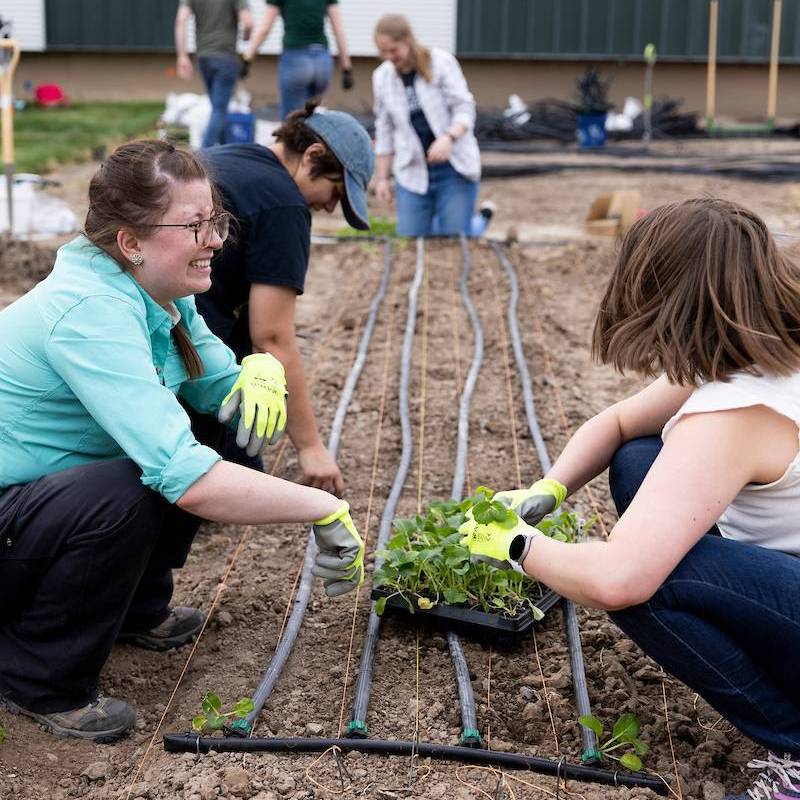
270	240
418	119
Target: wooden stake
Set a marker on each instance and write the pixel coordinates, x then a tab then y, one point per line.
711	81
9	56
772	97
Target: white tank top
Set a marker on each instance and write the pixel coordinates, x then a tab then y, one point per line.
763	514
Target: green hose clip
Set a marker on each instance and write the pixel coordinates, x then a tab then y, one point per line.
356	729
592	756
470	737
240	727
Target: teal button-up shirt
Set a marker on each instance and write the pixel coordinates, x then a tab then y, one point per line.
89	371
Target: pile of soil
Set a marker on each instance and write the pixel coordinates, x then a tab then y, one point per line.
22	264
524	695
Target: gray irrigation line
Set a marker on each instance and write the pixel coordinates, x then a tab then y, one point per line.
588	738
363	686
284	649
470	735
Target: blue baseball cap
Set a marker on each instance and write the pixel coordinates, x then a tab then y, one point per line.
346	138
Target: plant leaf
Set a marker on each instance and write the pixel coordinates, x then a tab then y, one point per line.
626	728
425	603
198	723
591	722
631	762
455	596
215	721
211	703
640	747
380	605
243	707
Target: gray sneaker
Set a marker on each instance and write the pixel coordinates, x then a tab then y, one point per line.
103	720
181	626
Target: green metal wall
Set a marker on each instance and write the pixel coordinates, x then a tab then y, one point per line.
108	25
620	29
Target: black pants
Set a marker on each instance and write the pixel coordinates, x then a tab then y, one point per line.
84	553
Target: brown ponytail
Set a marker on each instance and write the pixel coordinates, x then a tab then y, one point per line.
398	29
132	190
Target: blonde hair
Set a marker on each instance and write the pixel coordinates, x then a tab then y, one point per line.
398	29
699	291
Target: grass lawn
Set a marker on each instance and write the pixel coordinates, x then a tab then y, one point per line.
45	138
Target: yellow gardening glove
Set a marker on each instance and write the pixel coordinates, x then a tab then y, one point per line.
495	544
340	561
259	395
536	502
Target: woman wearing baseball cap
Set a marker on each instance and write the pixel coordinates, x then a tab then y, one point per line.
319	158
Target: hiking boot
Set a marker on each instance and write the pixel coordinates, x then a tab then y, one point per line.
181	626
779	780
103	720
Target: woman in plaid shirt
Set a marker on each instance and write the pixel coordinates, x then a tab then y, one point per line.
424	118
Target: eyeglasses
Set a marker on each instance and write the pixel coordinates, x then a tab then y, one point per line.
203	229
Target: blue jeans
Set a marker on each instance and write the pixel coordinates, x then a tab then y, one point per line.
447	208
726	621
219	75
303	73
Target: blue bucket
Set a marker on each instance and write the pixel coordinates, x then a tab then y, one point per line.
239	128
591	130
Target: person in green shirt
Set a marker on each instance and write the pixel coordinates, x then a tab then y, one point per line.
305	67
103	484
215	27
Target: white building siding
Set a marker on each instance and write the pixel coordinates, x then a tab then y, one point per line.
27	18
433	21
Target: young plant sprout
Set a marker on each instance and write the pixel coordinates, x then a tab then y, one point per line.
425	562
215	719
3	734
625	734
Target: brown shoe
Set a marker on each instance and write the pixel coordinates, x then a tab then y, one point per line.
103	720
181	626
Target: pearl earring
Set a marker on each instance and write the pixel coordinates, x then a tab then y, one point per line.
137	259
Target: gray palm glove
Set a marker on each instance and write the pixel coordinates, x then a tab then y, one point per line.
536	502
340	561
259	395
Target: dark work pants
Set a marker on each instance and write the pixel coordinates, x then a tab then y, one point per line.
726	621
84	553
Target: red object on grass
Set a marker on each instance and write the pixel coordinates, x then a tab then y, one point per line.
50	95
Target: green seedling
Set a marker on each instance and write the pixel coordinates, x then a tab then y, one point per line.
215	719
3	734
625	734
425	564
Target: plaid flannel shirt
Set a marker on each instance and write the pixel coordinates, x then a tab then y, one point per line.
445	100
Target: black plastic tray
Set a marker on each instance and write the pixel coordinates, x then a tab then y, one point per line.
485	625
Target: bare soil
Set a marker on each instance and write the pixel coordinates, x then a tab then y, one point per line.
524	694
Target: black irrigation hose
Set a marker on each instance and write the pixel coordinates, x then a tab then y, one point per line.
282	652
358	724
590	752
470	735
191	743
777	171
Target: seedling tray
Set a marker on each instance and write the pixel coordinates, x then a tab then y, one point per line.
484	625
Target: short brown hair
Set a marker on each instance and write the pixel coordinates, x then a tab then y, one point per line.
297	137
699	291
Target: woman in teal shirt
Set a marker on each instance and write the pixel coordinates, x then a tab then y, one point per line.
102	483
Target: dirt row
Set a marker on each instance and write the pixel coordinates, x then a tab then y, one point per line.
524	695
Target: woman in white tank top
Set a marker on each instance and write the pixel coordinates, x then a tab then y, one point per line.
701	569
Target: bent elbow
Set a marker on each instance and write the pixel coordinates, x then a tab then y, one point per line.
623	591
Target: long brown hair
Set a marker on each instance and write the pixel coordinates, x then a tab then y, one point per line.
132	190
398	29
699	291
297	137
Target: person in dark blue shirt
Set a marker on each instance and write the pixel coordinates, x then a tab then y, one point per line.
319	159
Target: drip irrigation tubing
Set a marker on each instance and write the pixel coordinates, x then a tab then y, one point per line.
589	740
284	648
192	743
774	172
357	727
